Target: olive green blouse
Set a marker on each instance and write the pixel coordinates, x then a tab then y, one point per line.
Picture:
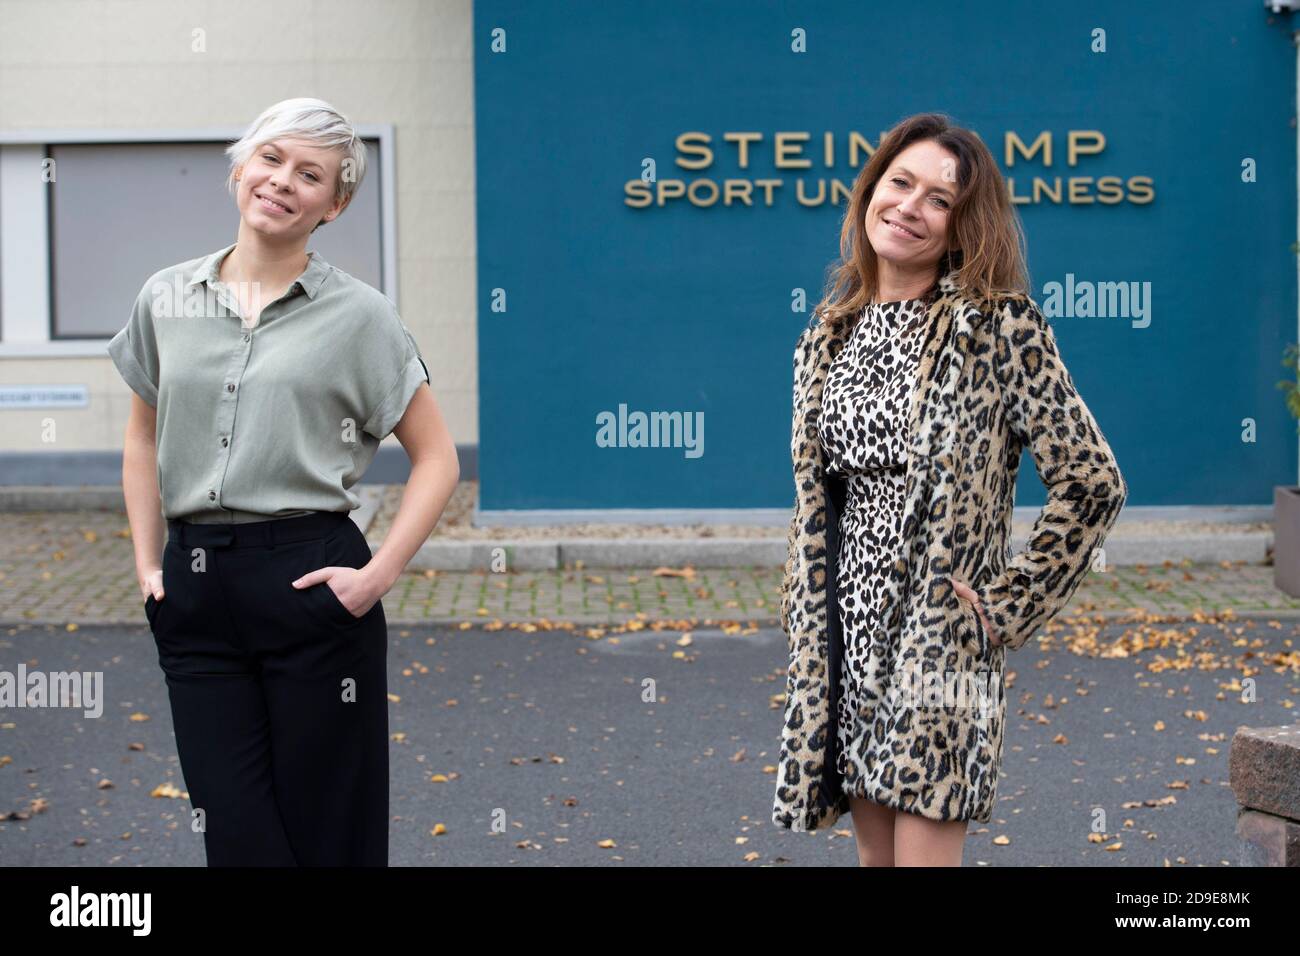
272	421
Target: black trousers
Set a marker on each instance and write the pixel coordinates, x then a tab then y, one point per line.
279	696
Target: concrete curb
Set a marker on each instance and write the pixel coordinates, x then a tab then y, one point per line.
1251	547
60	498
21	498
542	555
372	496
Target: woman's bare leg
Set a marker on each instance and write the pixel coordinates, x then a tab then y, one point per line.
873	828
919	841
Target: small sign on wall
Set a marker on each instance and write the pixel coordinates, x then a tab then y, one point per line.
44	396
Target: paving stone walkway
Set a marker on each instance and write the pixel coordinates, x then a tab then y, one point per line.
77	567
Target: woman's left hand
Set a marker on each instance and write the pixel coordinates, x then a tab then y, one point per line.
969	595
356	589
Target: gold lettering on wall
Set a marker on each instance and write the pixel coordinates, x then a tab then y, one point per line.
1028	160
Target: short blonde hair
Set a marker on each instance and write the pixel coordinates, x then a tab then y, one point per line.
310	119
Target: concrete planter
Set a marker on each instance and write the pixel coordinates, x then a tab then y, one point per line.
1264	772
1286	539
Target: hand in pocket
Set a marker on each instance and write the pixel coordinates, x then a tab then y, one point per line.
352	587
969	595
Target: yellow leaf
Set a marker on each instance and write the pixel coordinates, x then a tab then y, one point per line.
686	572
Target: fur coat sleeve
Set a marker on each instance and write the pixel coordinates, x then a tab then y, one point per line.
1085	490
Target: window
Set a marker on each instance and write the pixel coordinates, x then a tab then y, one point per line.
120	207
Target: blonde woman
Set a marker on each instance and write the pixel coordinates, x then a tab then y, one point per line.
925	371
264	381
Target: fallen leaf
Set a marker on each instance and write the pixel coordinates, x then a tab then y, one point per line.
686	572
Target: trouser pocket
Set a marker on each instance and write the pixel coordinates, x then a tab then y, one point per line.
344	547
153	608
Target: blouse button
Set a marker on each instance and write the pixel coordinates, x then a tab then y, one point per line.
212	496
224	443
247	337
230	387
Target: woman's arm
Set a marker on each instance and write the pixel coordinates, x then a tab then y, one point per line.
140	489
1085	490
435	470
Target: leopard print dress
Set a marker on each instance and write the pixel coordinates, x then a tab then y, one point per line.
864	436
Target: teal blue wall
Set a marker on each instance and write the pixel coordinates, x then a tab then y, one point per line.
682	308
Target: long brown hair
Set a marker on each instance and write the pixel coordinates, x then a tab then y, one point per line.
989	261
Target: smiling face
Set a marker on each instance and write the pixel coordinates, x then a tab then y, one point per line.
906	220
287	187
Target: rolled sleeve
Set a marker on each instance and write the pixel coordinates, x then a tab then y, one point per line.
400	372
134	350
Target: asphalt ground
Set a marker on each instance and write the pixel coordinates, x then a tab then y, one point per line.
550	733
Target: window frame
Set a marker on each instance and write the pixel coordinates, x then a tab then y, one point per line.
26	227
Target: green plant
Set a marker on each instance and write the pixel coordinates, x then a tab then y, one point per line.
1292	386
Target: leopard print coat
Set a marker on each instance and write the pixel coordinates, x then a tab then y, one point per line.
989	384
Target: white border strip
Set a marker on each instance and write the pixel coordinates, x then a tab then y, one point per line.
24	247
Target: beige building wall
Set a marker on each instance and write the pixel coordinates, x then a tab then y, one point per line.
72	64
